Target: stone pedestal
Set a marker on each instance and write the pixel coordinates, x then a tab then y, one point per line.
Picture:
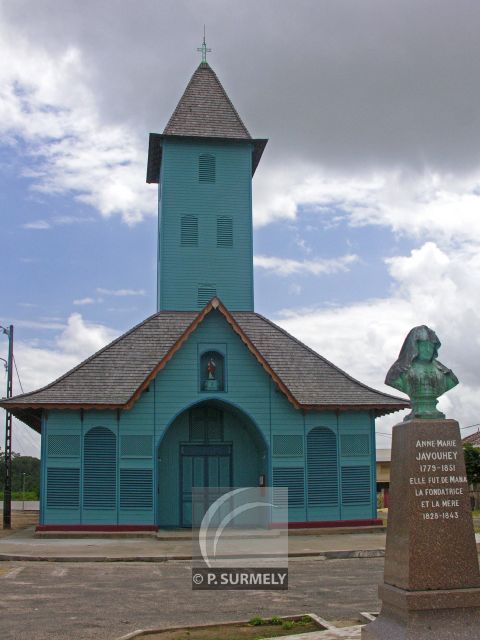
431	584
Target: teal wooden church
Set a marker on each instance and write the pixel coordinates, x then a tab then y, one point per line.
205	392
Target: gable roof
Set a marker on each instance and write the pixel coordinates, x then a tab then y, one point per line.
115	376
473	439
206	110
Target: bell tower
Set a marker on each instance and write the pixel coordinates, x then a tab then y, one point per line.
203	164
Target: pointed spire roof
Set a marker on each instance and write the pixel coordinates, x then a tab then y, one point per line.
206	110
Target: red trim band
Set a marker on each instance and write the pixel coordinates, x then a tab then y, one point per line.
153	527
96	527
327	523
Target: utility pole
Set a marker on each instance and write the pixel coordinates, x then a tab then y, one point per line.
7	492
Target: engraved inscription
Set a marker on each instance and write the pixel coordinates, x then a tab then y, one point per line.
438	485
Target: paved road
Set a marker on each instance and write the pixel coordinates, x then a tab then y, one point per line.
86	601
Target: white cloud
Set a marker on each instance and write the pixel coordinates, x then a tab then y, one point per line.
84	301
67	220
56	221
287	266
80	338
121	292
37	224
39	366
431	287
46	102
442	207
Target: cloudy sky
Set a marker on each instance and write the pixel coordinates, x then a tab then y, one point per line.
366	202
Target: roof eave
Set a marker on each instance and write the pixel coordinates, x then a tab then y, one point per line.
155	150
379	408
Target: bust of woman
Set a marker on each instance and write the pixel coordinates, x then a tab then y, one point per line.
418	374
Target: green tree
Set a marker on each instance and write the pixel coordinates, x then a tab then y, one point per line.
472	463
21	465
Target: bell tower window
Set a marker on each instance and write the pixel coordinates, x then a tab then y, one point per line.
224	231
189	231
206	168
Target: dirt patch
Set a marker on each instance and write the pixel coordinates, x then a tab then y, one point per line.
242	631
20	520
346	623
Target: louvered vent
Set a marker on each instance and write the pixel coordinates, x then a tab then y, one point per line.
136	446
224	231
292	479
100	469
136	489
205	293
214	430
63	446
63	488
197	426
356	485
357	444
206	168
189	231
322	468
287	445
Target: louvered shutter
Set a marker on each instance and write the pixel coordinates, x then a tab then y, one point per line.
205	293
356	485
224	231
293	479
136	489
189	231
63	488
322	468
100	469
206	168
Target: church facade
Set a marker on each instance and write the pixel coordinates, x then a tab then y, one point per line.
205	392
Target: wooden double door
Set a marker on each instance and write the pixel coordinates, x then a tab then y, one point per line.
205	473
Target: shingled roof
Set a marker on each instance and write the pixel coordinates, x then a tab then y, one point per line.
473	439
115	376
204	111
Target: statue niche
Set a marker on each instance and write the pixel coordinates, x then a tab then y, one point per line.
212	371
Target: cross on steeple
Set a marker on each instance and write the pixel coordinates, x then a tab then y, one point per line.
203	49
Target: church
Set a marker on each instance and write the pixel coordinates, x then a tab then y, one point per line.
206	392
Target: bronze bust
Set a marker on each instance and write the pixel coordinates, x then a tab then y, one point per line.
420	375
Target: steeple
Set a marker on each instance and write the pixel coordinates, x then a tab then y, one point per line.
206	110
203	163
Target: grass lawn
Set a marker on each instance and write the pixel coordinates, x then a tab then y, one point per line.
254	630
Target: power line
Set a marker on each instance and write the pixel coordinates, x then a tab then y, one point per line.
470	426
18	376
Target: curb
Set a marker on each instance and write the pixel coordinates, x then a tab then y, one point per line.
323	555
